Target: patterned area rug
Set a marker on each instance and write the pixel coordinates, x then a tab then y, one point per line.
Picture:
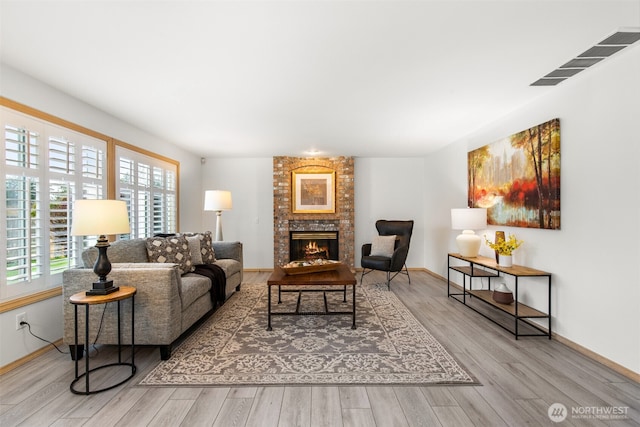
233	346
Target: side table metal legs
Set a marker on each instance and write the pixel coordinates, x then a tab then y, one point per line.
87	390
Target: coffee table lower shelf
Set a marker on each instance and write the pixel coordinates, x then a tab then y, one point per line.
326	311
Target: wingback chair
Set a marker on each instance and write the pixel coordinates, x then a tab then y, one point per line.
394	261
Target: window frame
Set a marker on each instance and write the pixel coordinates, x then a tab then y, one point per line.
149	227
51	287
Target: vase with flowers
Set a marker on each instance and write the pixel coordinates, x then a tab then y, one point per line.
499	236
504	248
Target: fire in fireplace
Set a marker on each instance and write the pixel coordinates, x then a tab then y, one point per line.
311	245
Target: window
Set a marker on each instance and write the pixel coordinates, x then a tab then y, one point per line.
47	164
148	185
45	168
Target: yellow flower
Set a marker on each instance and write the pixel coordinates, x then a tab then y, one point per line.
504	247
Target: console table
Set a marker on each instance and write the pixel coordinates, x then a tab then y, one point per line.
487	267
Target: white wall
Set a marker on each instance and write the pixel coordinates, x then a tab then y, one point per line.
250	181
384	189
389	188
45	317
594	258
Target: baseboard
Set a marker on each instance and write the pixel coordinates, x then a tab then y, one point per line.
359	269
29	357
356	269
626	372
258	270
598	358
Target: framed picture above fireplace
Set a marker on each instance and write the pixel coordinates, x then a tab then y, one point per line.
313	192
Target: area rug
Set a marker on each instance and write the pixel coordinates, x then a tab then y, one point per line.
233	347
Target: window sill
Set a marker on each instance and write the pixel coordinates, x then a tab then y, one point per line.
33	298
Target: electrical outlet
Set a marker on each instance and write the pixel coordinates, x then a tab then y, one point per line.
22	317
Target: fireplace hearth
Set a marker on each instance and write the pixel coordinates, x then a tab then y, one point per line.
312	245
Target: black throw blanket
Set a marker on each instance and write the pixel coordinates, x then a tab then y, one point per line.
218	281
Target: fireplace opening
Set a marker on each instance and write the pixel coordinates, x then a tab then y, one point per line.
311	245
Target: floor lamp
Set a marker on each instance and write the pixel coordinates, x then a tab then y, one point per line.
218	201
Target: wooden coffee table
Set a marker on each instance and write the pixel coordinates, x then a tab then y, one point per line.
340	277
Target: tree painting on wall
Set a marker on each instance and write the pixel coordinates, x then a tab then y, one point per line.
517	179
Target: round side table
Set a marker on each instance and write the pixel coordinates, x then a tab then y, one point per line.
81	298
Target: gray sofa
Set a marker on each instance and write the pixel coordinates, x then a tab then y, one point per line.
167	303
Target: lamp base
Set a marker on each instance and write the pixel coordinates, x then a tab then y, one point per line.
102	288
468	244
218	226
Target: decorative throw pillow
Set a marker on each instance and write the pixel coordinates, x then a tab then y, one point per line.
206	247
194	249
207	254
383	246
173	249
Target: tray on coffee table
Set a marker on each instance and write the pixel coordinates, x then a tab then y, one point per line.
314	268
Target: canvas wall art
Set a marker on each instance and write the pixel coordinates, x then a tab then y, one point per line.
517	179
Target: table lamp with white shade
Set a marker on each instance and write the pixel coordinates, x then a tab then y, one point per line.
468	220
218	201
100	218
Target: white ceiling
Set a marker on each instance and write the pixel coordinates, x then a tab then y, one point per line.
253	79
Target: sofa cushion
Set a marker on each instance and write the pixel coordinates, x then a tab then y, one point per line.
230	266
192	287
174	249
120	251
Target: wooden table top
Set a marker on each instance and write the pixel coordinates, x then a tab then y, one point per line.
339	277
123	293
514	270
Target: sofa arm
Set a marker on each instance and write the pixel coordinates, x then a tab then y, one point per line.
158	307
230	250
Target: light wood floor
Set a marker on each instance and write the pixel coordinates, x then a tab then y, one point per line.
520	380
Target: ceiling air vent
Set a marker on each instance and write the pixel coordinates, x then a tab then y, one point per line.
607	47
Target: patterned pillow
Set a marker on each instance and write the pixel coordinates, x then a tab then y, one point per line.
206	246
207	253
174	249
383	246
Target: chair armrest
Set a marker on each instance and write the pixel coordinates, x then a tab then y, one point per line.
366	249
399	257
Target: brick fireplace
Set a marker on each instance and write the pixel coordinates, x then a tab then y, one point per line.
341	222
